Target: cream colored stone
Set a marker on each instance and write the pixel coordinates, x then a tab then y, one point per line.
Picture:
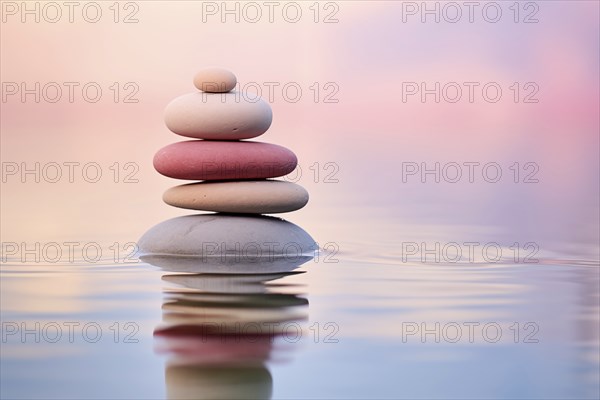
218	116
244	197
215	80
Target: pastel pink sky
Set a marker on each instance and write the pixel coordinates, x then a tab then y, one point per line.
368	54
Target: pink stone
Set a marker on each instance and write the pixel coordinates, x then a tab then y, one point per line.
224	160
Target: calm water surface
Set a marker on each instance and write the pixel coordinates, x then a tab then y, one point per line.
361	320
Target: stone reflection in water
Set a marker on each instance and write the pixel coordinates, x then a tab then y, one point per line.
198	382
223	318
219	331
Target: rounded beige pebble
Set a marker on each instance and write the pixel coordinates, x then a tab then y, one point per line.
214	116
243	197
215	80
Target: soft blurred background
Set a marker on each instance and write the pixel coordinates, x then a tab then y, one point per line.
360	55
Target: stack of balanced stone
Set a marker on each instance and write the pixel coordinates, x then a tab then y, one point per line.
234	172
